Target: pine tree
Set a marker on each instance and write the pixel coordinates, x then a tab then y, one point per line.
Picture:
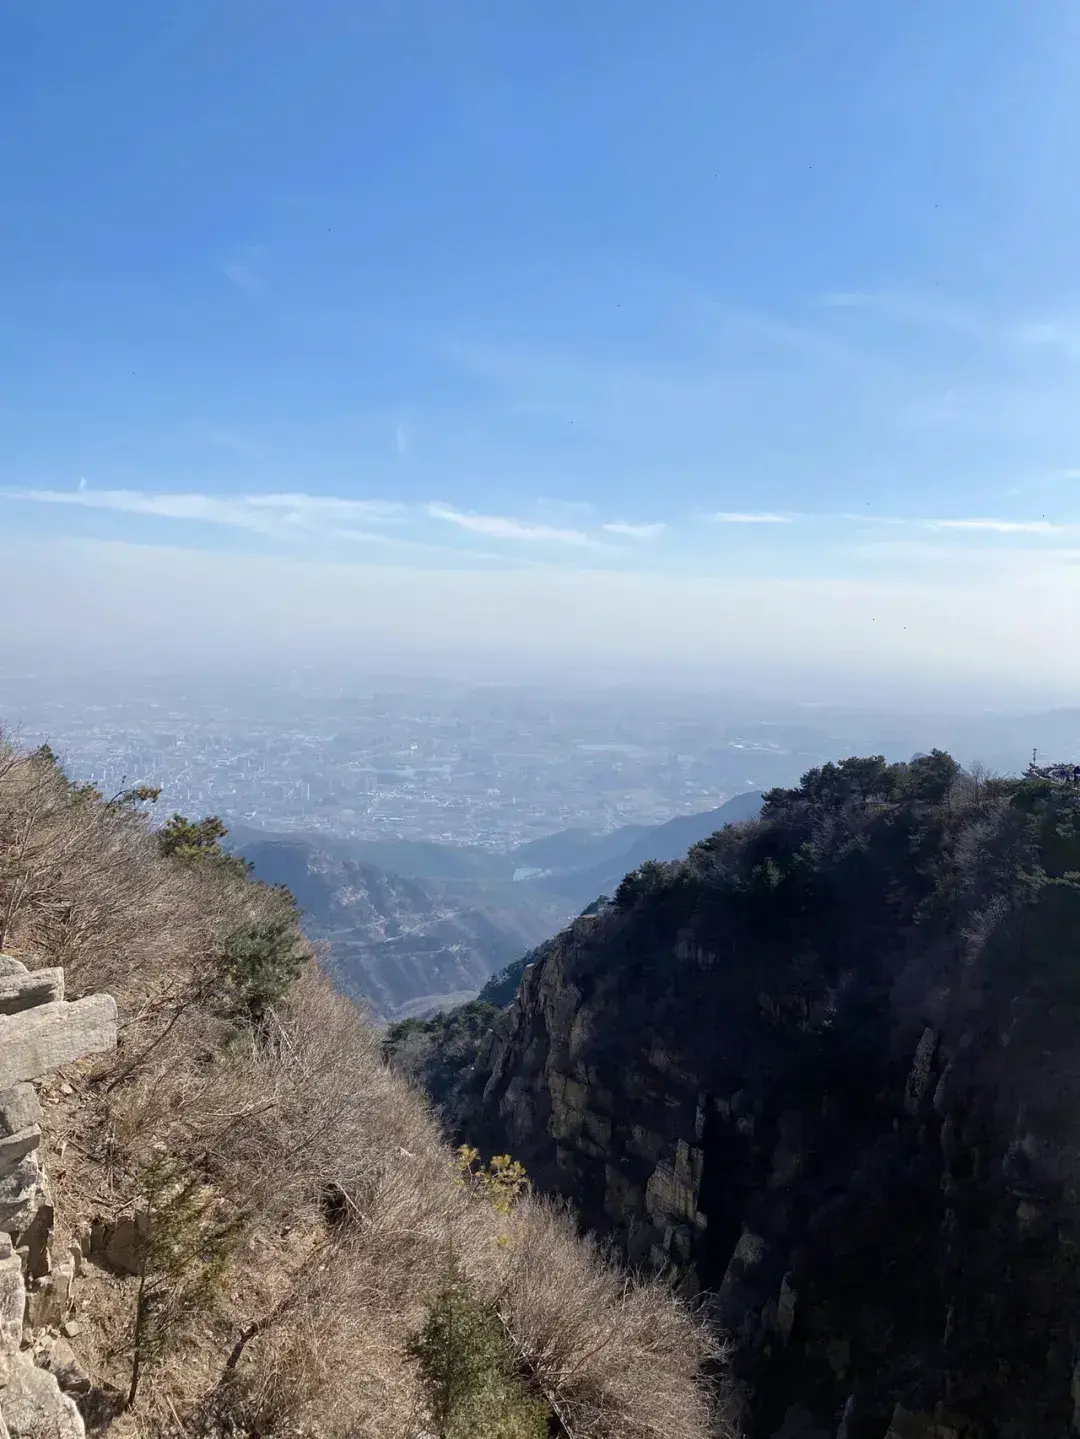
183	1248
259	963
466	1364
195	842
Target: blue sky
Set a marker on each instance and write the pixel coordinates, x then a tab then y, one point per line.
610	298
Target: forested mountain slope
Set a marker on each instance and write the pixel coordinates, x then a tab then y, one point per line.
827	1070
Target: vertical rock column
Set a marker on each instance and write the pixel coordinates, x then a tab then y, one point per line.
39	1032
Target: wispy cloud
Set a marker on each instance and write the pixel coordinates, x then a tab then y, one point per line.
209	508
1002	527
285	515
1048	480
244	278
570	514
328	506
306	519
635	532
238	444
1061	335
401	439
751	517
502	527
976	524
268	514
806	343
866	518
245	271
850	300
929	314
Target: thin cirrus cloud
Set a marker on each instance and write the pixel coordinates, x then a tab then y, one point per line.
1002	527
244	277
271	514
975	524
329	507
288	514
502	527
298	516
244	269
1059	335
902	309
633	531
238	444
751	517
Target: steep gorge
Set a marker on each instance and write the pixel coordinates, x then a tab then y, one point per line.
395	943
827	1072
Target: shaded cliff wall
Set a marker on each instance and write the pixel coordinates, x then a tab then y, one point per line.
829	1074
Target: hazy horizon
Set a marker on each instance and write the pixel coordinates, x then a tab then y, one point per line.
115	605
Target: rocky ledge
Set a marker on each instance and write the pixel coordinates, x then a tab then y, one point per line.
39	1032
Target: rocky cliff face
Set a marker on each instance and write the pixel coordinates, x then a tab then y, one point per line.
39	1032
827	1071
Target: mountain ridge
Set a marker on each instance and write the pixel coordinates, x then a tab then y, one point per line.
659	842
822	1071
431	934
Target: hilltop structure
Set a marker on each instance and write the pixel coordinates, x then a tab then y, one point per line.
1060	773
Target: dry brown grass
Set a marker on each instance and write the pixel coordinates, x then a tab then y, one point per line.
620	1360
308	1337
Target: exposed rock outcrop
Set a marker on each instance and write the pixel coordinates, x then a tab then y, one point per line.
34	1406
38	1033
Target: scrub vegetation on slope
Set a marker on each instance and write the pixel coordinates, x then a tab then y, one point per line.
297	1218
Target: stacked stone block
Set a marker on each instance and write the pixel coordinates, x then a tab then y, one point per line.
39	1032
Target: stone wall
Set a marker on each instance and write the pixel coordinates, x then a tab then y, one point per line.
39	1032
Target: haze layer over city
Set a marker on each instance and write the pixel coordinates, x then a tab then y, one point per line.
398	757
